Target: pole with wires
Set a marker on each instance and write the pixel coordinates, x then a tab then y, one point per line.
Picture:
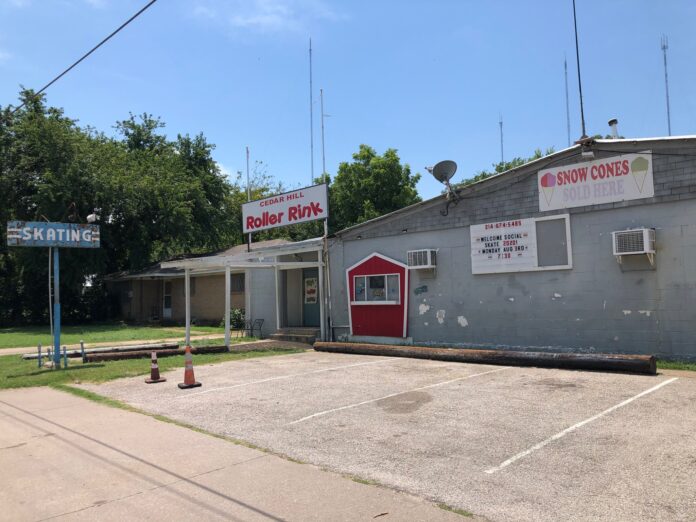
84	56
577	57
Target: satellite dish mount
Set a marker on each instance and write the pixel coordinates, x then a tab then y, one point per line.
443	172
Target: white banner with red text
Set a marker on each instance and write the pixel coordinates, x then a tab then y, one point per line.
290	208
607	180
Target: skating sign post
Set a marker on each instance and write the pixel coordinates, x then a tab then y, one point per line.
56	236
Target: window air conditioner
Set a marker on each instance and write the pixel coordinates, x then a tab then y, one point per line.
634	242
422	259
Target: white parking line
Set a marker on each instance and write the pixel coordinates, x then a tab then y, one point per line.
574	427
333	410
249	383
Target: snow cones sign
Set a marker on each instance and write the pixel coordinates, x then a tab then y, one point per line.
606	180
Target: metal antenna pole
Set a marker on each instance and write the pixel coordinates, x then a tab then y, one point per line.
311	115
502	156
665	45
248	197
577	57
323	152
565	70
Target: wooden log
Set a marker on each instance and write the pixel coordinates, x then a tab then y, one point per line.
110	349
645	364
117	356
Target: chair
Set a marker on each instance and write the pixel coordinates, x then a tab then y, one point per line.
253	326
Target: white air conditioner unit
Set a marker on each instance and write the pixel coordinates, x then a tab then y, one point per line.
634	242
422	259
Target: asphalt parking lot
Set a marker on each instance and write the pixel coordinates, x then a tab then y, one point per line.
505	443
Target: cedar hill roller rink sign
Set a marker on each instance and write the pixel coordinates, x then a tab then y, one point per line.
607	180
290	208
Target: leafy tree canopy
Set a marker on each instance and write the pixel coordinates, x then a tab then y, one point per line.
370	186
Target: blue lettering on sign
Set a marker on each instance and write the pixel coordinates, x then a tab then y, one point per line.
43	234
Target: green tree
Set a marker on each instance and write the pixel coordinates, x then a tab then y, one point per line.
157	197
504	166
370	186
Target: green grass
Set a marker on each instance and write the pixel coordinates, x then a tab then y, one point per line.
96	333
676	365
458	511
18	373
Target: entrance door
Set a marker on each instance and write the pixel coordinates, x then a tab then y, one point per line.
167	301
310	299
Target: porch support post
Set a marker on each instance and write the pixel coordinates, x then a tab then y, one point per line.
322	316
277	298
227	307
187	296
247	295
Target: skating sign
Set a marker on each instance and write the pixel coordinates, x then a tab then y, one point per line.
44	234
606	180
290	208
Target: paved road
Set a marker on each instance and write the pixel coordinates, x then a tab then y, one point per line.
66	458
511	444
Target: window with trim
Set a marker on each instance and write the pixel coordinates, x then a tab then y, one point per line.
376	289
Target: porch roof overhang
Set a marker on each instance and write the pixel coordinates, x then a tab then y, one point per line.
261	258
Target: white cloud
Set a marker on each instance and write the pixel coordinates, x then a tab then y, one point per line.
4	56
98	4
266	15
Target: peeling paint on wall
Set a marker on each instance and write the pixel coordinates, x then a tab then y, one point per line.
511	299
440	314
626	312
556	295
426	323
420	290
462	321
422	308
645	312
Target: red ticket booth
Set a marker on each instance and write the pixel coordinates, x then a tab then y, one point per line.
378	297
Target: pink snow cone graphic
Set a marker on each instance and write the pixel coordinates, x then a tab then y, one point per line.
548	182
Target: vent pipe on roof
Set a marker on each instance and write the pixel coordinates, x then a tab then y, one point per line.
613	123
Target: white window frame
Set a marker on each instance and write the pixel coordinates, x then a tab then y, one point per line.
386	289
569	246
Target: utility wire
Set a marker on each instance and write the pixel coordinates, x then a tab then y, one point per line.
66	71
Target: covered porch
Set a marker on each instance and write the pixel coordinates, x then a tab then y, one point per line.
284	285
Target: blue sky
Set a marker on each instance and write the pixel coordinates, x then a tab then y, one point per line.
427	78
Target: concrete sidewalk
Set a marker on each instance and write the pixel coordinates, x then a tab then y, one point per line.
69	458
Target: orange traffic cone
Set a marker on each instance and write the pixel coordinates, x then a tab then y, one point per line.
189	379
154	371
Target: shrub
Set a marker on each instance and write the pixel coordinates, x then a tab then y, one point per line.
236	319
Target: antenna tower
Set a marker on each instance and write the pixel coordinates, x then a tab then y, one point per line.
565	70
311	115
500	122
664	44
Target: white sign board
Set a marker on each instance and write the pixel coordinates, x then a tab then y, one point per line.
505	246
290	208
629	176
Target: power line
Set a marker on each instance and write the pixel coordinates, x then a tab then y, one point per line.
66	71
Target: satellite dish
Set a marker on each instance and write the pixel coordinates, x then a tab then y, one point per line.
444	170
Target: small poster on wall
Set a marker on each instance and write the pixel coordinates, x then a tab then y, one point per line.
310	290
505	246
